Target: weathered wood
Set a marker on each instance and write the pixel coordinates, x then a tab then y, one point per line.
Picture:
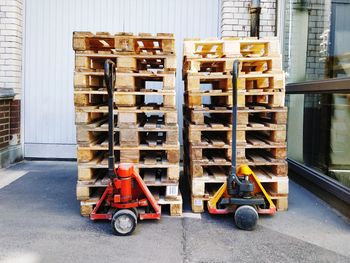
146	130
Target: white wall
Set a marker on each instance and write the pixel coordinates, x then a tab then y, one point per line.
49	129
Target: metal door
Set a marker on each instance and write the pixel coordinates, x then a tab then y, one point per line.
49	130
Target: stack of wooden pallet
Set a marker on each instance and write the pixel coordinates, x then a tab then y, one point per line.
146	130
261	120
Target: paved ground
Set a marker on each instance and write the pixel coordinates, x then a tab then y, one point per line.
40	222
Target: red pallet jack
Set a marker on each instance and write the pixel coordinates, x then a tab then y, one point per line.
126	197
242	193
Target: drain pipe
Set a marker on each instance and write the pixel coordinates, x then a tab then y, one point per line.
254	11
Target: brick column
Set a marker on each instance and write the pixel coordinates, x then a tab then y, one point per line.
15	122
5	103
11	24
235	18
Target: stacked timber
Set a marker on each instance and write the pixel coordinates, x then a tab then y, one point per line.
261	117
146	129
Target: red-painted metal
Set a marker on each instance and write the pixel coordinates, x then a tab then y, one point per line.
127	190
143	202
125	170
149	216
133	204
116	199
101	216
268	211
147	193
219	211
94	215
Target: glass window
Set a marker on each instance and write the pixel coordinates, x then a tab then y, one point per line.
318	133
316	42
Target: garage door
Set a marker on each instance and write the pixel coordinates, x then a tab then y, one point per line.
49	130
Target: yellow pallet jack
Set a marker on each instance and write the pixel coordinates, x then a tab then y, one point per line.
242	193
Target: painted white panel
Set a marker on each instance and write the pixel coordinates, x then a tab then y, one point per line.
49	58
54	150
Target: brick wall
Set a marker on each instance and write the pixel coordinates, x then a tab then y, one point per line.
318	25
11	24
15	122
235	18
11	45
4	122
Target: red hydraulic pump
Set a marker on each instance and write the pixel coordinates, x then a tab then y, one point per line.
126	198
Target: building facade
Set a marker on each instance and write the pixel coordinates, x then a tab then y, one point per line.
11	45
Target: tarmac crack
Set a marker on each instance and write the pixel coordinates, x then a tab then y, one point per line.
185	251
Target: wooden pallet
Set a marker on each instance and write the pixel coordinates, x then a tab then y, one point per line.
249	134
220	165
126	116
126	63
220	154
231	47
129	81
144	123
204	188
86	189
165	171
137	154
175	205
126	98
207	115
121	43
223	82
131	137
128	136
198	99
211	114
207	66
209	183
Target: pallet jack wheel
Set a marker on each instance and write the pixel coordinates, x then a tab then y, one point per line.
246	217
124	222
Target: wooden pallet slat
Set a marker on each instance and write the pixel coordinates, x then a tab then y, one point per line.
231	47
121	43
223	66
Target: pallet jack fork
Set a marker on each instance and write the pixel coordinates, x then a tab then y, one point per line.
126	198
242	193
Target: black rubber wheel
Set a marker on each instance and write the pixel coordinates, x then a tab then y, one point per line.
246	217
124	222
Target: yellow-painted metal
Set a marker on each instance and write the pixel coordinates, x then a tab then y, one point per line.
216	197
242	170
245	170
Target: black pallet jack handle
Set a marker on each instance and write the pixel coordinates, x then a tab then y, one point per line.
233	176
109	77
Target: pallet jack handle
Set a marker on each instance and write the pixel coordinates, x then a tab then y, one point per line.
109	77
233	176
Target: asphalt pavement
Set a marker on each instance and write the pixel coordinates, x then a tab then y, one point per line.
40	222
